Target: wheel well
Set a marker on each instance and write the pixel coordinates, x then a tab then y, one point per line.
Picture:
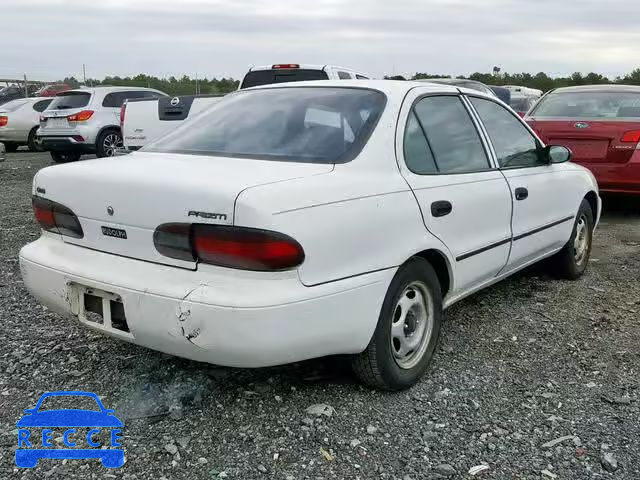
440	264
592	198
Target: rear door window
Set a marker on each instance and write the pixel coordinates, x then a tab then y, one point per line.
69	100
451	134
42	105
116	99
344	76
601	105
256	78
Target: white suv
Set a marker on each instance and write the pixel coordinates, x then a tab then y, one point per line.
87	120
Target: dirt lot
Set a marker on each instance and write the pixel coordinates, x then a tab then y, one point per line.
523	363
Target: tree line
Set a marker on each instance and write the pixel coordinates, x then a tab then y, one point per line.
188	86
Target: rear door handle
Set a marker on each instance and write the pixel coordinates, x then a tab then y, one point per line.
521	193
441	208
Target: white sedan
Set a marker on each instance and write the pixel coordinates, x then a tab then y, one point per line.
302	220
19	122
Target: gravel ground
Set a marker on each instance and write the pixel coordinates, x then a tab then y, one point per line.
522	364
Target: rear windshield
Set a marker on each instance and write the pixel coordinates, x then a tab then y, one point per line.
267	77
12	105
308	124
590	105
67	100
521	104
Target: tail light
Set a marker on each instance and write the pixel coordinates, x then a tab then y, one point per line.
123	111
234	247
56	218
82	116
284	66
4	121
43	119
632	136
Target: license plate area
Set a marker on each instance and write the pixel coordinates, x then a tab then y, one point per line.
101	309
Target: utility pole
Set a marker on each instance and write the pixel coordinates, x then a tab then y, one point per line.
84	75
197	83
26	90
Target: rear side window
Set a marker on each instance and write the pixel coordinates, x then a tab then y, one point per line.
67	100
116	99
344	76
589	105
42	105
256	78
515	146
451	135
308	125
361	77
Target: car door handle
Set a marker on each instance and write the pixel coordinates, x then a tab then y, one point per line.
521	193
441	208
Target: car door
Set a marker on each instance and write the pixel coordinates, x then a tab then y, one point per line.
543	199
464	200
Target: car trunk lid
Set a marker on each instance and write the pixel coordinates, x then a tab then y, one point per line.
590	141
121	201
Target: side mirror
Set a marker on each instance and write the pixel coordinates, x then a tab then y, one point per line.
558	153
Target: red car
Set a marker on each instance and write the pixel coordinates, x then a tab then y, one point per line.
52	90
600	124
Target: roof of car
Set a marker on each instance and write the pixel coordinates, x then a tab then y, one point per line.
106	88
599	88
385	86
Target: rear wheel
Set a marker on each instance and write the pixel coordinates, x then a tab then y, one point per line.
572	260
34	144
408	328
11	146
108	143
64	157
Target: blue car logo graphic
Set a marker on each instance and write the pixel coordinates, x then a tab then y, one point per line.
28	453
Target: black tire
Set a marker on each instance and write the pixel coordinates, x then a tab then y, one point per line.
11	147
108	142
571	262
378	365
33	143
64	157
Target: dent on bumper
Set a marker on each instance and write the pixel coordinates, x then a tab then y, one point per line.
240	319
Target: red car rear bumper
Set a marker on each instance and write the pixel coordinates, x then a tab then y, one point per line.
619	178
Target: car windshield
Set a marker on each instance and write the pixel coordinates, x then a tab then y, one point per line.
305	124
69	402
67	100
12	105
589	105
257	78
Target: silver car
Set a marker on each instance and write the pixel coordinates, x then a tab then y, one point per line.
19	120
87	120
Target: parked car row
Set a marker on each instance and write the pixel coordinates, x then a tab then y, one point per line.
294	221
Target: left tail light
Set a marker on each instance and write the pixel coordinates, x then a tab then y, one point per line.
4	121
82	116
228	246
56	218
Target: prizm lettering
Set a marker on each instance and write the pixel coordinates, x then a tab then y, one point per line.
40	190
211	216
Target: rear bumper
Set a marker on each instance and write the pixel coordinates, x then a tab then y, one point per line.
13	135
215	315
66	144
618	178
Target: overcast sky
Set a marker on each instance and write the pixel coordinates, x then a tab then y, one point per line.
50	39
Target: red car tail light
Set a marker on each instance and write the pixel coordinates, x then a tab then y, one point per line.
234	247
283	66
123	111
82	116
56	218
4	121
632	136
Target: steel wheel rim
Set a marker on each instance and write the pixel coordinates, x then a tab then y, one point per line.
111	144
411	325
581	240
